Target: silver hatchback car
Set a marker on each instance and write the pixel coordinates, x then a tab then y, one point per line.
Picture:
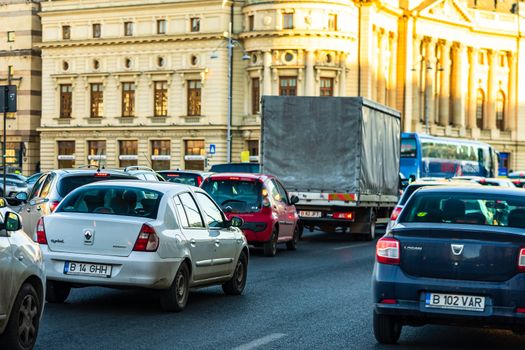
156	235
22	284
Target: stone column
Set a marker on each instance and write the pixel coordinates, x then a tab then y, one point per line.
430	86
310	76
391	92
417	83
510	115
444	92
267	73
381	77
472	88
342	79
490	122
458	93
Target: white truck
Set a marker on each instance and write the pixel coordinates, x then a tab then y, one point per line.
339	155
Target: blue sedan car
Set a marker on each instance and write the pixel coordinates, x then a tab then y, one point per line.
456	256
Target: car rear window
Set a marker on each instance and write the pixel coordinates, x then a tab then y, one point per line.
466	208
235	196
183	178
70	183
113	200
236	168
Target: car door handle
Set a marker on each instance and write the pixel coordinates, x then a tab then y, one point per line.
193	242
38	208
20	257
217	242
28	210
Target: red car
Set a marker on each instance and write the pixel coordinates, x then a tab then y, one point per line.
269	213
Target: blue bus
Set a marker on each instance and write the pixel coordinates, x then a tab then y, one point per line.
429	156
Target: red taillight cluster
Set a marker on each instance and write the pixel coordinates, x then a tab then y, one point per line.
521	260
53	205
387	251
199	181
147	241
395	213
343	216
41	232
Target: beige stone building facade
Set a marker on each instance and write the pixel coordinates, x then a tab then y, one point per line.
18	53
146	82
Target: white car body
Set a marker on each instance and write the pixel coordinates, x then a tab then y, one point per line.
211	253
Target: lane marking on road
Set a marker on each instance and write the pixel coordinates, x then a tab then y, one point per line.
352	246
260	342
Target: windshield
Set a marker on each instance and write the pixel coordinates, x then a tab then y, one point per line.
408	148
466	208
69	183
114	200
183	178
235	196
236	168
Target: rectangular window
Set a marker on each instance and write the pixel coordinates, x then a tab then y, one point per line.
326	87
253	147
66	154
287	20
128	153
96	152
11	70
66	32
97	100
128	99
251	22
97	30
161	26
66	100
288	86
194	154
128	28
160	154
256	95
332	22
195	24
10	37
161	98
194	97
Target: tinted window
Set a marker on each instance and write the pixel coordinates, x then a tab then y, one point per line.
114	200
281	191
235	196
70	183
408	148
37	187
183	178
193	214
47	185
236	168
181	212
212	214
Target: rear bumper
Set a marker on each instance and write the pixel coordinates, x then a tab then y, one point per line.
139	269
502	299
257	232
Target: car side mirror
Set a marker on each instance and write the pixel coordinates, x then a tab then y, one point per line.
236	221
294	199
3	202
22	197
12	222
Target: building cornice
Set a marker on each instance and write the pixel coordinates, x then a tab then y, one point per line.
296	33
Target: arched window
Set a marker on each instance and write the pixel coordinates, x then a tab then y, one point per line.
480	109
500	110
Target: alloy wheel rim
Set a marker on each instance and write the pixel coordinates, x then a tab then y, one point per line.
28	314
181	288
240	273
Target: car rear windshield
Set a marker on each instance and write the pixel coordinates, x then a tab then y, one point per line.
235	196
70	183
236	168
183	178
113	200
466	208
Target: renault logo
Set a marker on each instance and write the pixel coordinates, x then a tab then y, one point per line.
88	236
457	249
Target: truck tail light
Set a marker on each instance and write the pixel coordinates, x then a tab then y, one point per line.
147	241
387	251
395	213
344	216
521	260
41	232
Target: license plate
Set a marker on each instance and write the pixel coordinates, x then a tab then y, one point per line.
87	269
310	214
455	302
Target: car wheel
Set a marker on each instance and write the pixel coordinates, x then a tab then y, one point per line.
176	297
236	285
57	292
386	329
292	245
270	247
373	223
22	328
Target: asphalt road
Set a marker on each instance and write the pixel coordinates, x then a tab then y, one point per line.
317	297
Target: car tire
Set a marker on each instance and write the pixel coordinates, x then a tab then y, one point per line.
176	297
292	244
236	285
57	292
270	247
22	328
371	235
387	329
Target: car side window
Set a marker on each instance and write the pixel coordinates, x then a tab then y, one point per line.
181	212
191	210
274	192
212	214
46	186
37	187
282	192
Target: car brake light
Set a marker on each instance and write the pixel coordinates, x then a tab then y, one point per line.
395	213
387	251
53	205
344	216
41	232
521	260
389	301
147	241
266	200
102	175
520	310
516	182
199	181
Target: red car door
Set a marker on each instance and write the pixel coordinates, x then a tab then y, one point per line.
287	218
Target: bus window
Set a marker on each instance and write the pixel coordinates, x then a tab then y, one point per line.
408	148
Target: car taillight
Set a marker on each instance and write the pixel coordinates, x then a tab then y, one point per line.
199	181
387	251
395	213
521	260
41	232
101	174
147	241
53	205
389	301
266	200
344	216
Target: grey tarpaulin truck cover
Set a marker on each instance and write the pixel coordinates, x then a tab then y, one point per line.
331	144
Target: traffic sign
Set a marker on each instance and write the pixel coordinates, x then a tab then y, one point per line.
213	148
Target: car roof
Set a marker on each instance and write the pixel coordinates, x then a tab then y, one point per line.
156	186
510	191
241	176
88	171
199	172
